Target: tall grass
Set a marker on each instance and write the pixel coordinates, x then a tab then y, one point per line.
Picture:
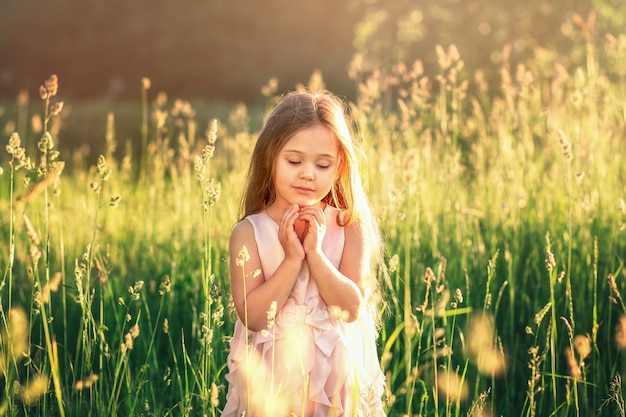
503	214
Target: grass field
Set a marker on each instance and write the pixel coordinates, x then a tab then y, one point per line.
503	213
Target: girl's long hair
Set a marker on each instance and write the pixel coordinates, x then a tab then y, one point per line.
298	110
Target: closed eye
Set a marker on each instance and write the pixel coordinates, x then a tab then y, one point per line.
293	162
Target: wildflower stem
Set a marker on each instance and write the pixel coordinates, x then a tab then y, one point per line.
553	330
51	348
144	122
62	266
10	266
408	326
245	320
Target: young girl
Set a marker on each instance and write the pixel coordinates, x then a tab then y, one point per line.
301	271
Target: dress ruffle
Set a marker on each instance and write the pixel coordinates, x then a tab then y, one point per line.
306	347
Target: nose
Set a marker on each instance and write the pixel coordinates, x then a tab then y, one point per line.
307	172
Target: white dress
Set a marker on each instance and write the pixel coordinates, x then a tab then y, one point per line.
310	362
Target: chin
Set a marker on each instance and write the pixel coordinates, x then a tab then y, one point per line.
307	203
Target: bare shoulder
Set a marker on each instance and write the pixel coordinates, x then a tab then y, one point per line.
242	227
243	254
241	235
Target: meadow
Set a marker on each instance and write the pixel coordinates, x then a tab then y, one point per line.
502	208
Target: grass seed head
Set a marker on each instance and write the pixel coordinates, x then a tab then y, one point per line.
46	143
613	287
103	171
452	386
127	344
134	331
480	333
243	256
22	98
51	286
37	386
218	315
565	146
43	93
489	359
56	108
166	285
86	383
129	338
411	167
270	88
582	344
52	85
393	263
213	191
30	230
16	334
199	168
211	133
620	333
215	395
458	296
541	314
35	253
492	362
271	315
429	277
550	261
18	153
114	201
572	365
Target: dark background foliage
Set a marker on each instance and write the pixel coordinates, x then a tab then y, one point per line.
228	49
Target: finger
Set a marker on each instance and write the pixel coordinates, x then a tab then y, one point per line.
315	211
289	216
291	210
312	208
314	218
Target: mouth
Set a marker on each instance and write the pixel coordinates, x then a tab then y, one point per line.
304	190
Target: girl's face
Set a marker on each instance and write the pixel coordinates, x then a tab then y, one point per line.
306	167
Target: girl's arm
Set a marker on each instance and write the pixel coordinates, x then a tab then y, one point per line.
250	290
342	287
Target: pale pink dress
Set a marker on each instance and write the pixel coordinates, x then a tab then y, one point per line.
310	362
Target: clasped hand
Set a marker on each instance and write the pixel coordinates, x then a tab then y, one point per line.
301	230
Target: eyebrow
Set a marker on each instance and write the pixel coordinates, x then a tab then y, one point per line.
321	155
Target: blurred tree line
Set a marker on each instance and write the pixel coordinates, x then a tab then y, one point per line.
404	30
187	47
229	49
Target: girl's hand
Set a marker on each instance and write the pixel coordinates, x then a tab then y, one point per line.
314	236
287	234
